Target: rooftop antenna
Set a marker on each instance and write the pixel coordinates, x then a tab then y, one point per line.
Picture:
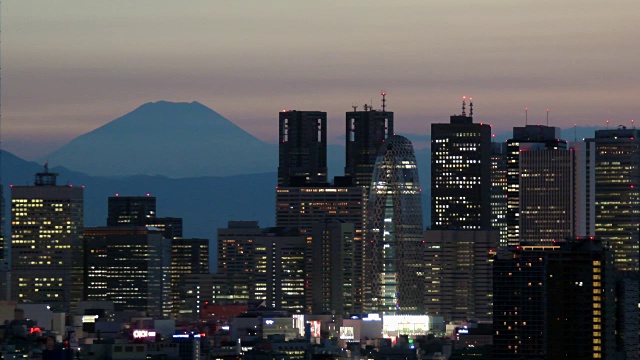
384	100
464	112
547	116
607	124
470	107
633	125
575	132
366	107
354	106
371	102
526	116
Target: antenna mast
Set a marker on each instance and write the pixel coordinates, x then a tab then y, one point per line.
471	107
526	116
547	116
384	100
464	112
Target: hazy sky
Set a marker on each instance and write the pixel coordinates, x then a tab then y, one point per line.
70	66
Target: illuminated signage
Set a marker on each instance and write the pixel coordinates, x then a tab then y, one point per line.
372	317
346	333
463	331
269	322
315	328
89	318
140	334
405	324
185	336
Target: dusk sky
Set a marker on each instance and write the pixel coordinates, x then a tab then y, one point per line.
71	66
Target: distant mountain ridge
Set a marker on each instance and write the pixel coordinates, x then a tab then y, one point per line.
169	139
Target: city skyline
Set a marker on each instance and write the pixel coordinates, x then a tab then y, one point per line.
70	68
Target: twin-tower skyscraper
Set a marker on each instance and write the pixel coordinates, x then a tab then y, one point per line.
387	246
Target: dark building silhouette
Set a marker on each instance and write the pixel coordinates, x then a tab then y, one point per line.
460	174
303	147
131	210
554	301
46	242
365	132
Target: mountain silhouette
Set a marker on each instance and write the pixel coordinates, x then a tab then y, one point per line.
169	139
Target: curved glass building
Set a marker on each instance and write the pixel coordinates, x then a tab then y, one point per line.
394	231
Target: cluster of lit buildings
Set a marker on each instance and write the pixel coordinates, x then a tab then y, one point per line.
537	236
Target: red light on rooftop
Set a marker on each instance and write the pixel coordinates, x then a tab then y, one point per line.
70	185
147	194
591	237
10	185
117	194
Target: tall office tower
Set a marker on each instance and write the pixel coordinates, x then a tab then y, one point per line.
46	246
131	210
332	279
616	154
546	187
236	245
459	273
188	256
460	174
303	147
499	190
130	266
279	274
303	207
554	302
365	133
394	249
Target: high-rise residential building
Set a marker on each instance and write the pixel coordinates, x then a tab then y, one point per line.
394	247
305	206
46	243
460	174
130	266
546	187
131	210
616	154
188	256
332	275
5	270
303	147
554	302
499	190
459	274
279	274
365	132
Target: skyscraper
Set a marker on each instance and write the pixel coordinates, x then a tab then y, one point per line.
131	210
303	147
303	207
279	274
555	301
459	273
499	189
460	174
46	244
394	231
130	266
188	256
616	154
332	276
365	133
546	189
